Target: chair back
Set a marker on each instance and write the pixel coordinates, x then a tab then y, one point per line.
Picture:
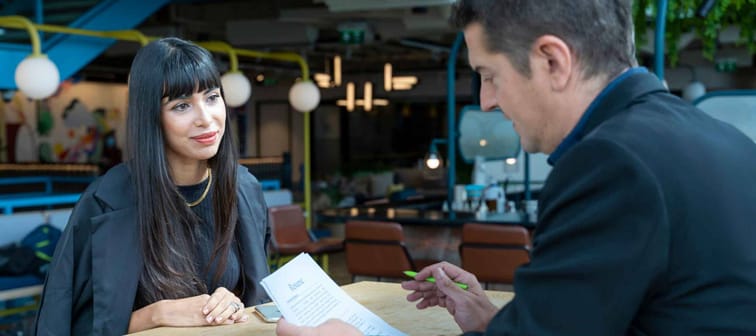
290	236
376	249
493	252
287	225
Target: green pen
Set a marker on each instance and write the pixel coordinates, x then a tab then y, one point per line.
412	274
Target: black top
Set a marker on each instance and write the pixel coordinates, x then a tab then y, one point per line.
205	237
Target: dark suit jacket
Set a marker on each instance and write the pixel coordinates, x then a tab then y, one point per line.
92	280
647	226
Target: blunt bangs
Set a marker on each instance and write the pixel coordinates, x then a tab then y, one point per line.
189	71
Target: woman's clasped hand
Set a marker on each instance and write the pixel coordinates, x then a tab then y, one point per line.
222	307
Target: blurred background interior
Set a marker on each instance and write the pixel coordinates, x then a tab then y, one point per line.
391	135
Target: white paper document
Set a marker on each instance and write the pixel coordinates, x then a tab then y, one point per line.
307	296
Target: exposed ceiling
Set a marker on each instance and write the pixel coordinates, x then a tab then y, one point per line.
411	34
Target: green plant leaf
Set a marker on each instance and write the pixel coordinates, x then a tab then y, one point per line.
681	18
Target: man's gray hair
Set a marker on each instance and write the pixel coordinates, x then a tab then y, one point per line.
598	32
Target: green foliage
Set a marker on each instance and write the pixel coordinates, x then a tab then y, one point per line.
681	19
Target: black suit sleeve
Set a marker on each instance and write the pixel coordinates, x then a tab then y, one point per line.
66	303
254	238
600	244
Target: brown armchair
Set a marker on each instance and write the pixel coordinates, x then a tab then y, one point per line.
291	237
493	252
377	249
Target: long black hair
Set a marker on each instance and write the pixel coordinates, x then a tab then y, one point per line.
172	68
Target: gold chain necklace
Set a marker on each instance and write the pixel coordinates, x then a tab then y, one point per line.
207	188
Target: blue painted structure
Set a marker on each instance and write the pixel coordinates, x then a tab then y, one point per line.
451	137
270	184
41	200
725	93
452	125
47	198
71	53
434	144
46	180
661	26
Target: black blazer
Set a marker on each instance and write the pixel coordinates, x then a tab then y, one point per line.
647	226
92	281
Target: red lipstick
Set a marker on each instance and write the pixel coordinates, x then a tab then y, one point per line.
206	138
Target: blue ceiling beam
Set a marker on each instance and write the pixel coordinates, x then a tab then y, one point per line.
71	53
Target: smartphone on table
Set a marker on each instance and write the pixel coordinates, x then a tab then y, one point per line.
268	312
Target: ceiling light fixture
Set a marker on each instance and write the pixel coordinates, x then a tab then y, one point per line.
368	96
433	158
361	102
236	88
304	96
391	82
327	80
380	102
323	80
337	70
350	97
402	86
387	77
367	103
36	76
409	80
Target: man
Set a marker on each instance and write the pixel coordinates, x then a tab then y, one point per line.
646	223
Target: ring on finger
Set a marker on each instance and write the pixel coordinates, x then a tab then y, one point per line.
236	306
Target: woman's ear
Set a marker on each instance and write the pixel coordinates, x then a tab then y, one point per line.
551	56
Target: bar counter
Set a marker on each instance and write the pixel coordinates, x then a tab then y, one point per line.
422	216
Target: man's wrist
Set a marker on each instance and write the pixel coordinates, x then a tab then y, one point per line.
490	313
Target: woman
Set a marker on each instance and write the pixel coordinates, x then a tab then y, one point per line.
177	235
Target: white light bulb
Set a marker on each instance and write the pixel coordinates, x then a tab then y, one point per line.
236	89
433	161
304	96
37	77
693	91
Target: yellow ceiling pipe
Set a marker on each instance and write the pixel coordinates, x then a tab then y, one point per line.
36	75
279	56
223	47
237	88
295	58
126	35
20	22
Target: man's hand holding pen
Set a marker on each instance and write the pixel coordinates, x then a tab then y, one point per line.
471	308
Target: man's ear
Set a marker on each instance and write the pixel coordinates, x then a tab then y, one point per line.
552	57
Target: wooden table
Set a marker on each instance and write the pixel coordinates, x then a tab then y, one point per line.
386	300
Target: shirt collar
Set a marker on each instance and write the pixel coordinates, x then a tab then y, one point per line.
577	133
